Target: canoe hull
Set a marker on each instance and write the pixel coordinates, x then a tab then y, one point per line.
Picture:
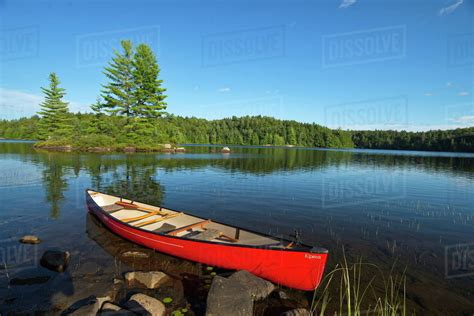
296	269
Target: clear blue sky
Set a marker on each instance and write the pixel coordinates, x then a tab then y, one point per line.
349	64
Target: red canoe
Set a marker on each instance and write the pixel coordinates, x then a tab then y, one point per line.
190	237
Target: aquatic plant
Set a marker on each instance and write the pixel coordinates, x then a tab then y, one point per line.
354	297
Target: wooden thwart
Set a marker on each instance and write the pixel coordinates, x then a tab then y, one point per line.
157	220
188	227
201	225
136	207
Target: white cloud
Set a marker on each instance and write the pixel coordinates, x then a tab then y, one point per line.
346	3
463	93
428	94
451	8
466	119
226	89
449	84
16	104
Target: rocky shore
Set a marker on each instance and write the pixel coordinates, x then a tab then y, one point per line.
138	281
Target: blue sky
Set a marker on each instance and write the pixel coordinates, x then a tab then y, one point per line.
350	64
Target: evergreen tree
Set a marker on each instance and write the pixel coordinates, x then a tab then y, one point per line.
55	119
118	94
291	136
148	94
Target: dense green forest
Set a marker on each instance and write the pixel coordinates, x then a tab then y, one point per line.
130	112
257	130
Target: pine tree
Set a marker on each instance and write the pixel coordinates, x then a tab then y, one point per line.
54	113
118	94
148	93
291	136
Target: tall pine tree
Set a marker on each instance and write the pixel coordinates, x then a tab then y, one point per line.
55	120
118	93
148	93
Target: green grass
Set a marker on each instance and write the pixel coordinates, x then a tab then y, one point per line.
357	295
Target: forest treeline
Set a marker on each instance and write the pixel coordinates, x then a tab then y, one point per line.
248	130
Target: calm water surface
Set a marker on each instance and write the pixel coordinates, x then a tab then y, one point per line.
390	208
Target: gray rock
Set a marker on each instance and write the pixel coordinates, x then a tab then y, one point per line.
129	149
180	149
149	280
145	305
227	298
297	312
236	295
167	146
30	239
257	287
55	260
225	150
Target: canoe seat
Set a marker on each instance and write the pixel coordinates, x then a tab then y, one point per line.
112	208
165	228
208	234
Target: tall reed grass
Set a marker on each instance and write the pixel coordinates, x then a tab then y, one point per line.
346	290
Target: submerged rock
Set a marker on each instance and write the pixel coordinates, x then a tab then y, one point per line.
30	239
55	260
112	309
297	312
236	295
87	306
283	295
143	304
30	280
149	280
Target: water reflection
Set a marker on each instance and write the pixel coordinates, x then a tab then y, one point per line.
387	207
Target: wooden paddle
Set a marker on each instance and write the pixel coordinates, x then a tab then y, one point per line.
137	218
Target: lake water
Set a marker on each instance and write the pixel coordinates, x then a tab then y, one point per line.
400	209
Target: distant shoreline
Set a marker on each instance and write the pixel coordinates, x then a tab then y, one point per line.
400	152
